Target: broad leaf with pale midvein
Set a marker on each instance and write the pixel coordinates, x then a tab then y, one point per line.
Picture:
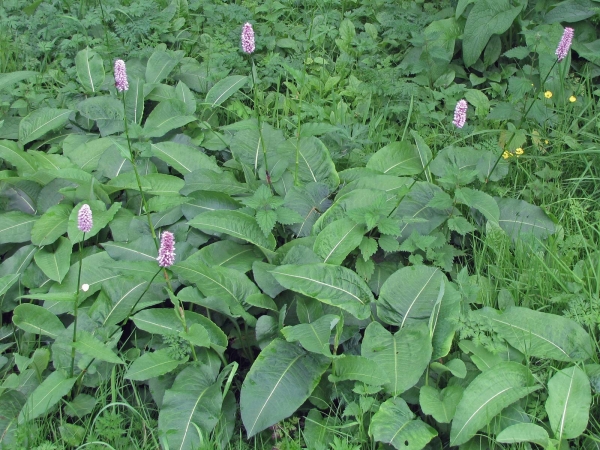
279	382
487	395
338	239
334	285
45	396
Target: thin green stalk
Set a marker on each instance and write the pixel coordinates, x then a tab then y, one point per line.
260	135
75	307
104	23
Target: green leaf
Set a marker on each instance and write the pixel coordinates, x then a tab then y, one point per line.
41	121
314	336
397	158
229	254
249	144
159	66
45	396
151	364
479	200
8	79
333	285
486	396
166	116
571	11
338	239
278	383
266	219
193	400
182	158
16	226
403	356
101	108
224	89
87	344
196	335
134	101
7	281
10	152
568	403
37	320
210	180
163	184
90	69
524	432
184	94
101	217
440	404
122	294
359	368
409	295
52	225
519	218
488	17
236	224
315	163
142	249
55	262
394	423
541	335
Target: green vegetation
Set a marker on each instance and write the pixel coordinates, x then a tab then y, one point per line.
376	228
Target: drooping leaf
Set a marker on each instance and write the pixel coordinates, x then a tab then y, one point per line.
338	239
333	285
403	356
568	403
409	295
193	400
394	423
278	383
55	262
540	334
152	364
41	121
524	432
224	89
90	69
37	320
519	218
46	395
10	152
488	394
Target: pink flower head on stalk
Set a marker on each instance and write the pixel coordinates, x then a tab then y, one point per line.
166	252
460	113
248	38
121	76
84	219
565	44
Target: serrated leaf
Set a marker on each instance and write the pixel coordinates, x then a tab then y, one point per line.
266	219
338	239
41	121
461	225
333	285
151	364
55	262
368	246
224	89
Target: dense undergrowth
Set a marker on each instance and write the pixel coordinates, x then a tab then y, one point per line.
356	265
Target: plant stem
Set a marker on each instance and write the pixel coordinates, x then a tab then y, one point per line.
260	123
75	307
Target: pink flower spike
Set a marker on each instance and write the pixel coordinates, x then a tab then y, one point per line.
248	38
460	113
121	76
166	252
84	219
565	44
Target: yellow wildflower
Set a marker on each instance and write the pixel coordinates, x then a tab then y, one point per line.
548	94
519	152
546	142
572	99
506	154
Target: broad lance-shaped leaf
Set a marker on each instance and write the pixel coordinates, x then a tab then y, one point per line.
51	225
359	368
152	364
440	404
482	202
487	395
46	395
40	122
166	116
193	400
236	224
403	356
338	239
55	262
334	285
87	344
568	403
397	158
37	320
519	218
278	383
541	335
90	69
313	336
159	66
15	227
24	162
182	158
409	295
315	163
524	432
224	89
394	423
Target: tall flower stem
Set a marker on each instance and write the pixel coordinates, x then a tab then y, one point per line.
75	307
260	124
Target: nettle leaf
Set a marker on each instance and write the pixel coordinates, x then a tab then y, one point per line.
394	423
333	285
539	334
224	89
166	116
278	383
482	202
37	320
151	365
486	396
41	121
182	158
409	295
51	225
338	239
403	356
488	17
519	218
10	152
568	403
397	158
358	368
193	401
55	262
45	396
266	219
236	224
90	69
313	336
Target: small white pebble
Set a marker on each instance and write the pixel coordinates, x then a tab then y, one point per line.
85	287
